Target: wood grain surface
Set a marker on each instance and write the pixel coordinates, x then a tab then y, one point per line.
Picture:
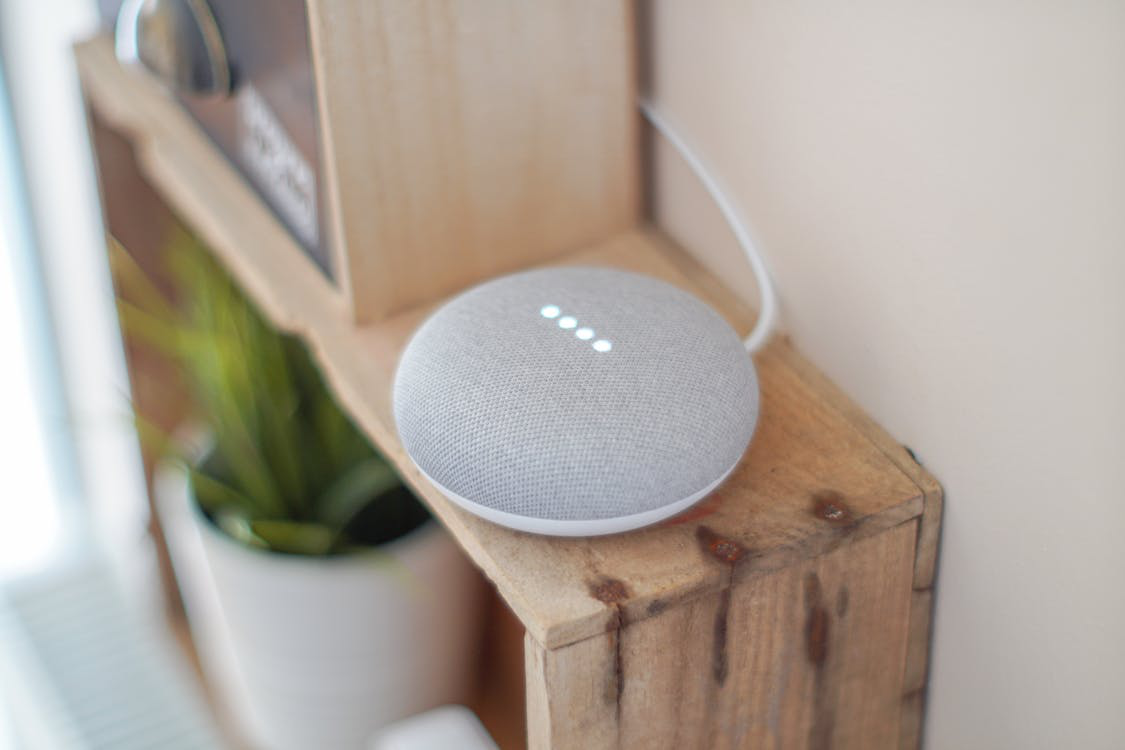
466	138
807	656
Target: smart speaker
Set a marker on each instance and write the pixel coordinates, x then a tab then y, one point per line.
575	401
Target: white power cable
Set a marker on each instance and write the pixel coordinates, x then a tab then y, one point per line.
767	315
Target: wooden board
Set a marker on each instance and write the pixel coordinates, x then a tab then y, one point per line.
465	138
808	656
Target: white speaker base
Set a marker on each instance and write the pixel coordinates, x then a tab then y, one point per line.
584	527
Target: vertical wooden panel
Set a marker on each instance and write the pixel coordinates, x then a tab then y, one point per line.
464	138
499	701
809	656
571	694
916	668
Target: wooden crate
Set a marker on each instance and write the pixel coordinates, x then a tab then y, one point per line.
791	608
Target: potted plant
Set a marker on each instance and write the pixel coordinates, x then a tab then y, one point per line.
323	599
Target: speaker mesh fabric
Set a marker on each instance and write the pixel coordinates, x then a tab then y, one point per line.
509	410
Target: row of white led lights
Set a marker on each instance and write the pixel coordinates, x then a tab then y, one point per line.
569	322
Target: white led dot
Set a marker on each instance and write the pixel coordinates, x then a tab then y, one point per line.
567	321
585	333
601	345
550	311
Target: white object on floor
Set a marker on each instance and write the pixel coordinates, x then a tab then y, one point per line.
453	727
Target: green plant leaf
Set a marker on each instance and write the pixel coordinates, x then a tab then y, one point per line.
296	537
291	470
239	528
135	282
217	497
354	490
155	439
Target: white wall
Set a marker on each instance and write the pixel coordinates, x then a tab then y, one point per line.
940	189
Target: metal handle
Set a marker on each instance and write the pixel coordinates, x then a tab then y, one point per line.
178	41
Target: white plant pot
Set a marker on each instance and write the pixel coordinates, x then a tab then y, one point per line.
307	652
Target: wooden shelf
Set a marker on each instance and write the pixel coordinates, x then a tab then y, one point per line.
818	476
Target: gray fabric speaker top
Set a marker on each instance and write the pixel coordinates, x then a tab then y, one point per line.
575	400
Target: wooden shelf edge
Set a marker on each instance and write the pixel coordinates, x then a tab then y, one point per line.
548	591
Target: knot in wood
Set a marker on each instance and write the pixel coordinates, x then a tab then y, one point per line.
609	591
832	513
722	549
829	505
726	550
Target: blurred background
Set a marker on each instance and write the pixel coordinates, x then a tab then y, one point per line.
95	647
85	658
73	514
939	191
